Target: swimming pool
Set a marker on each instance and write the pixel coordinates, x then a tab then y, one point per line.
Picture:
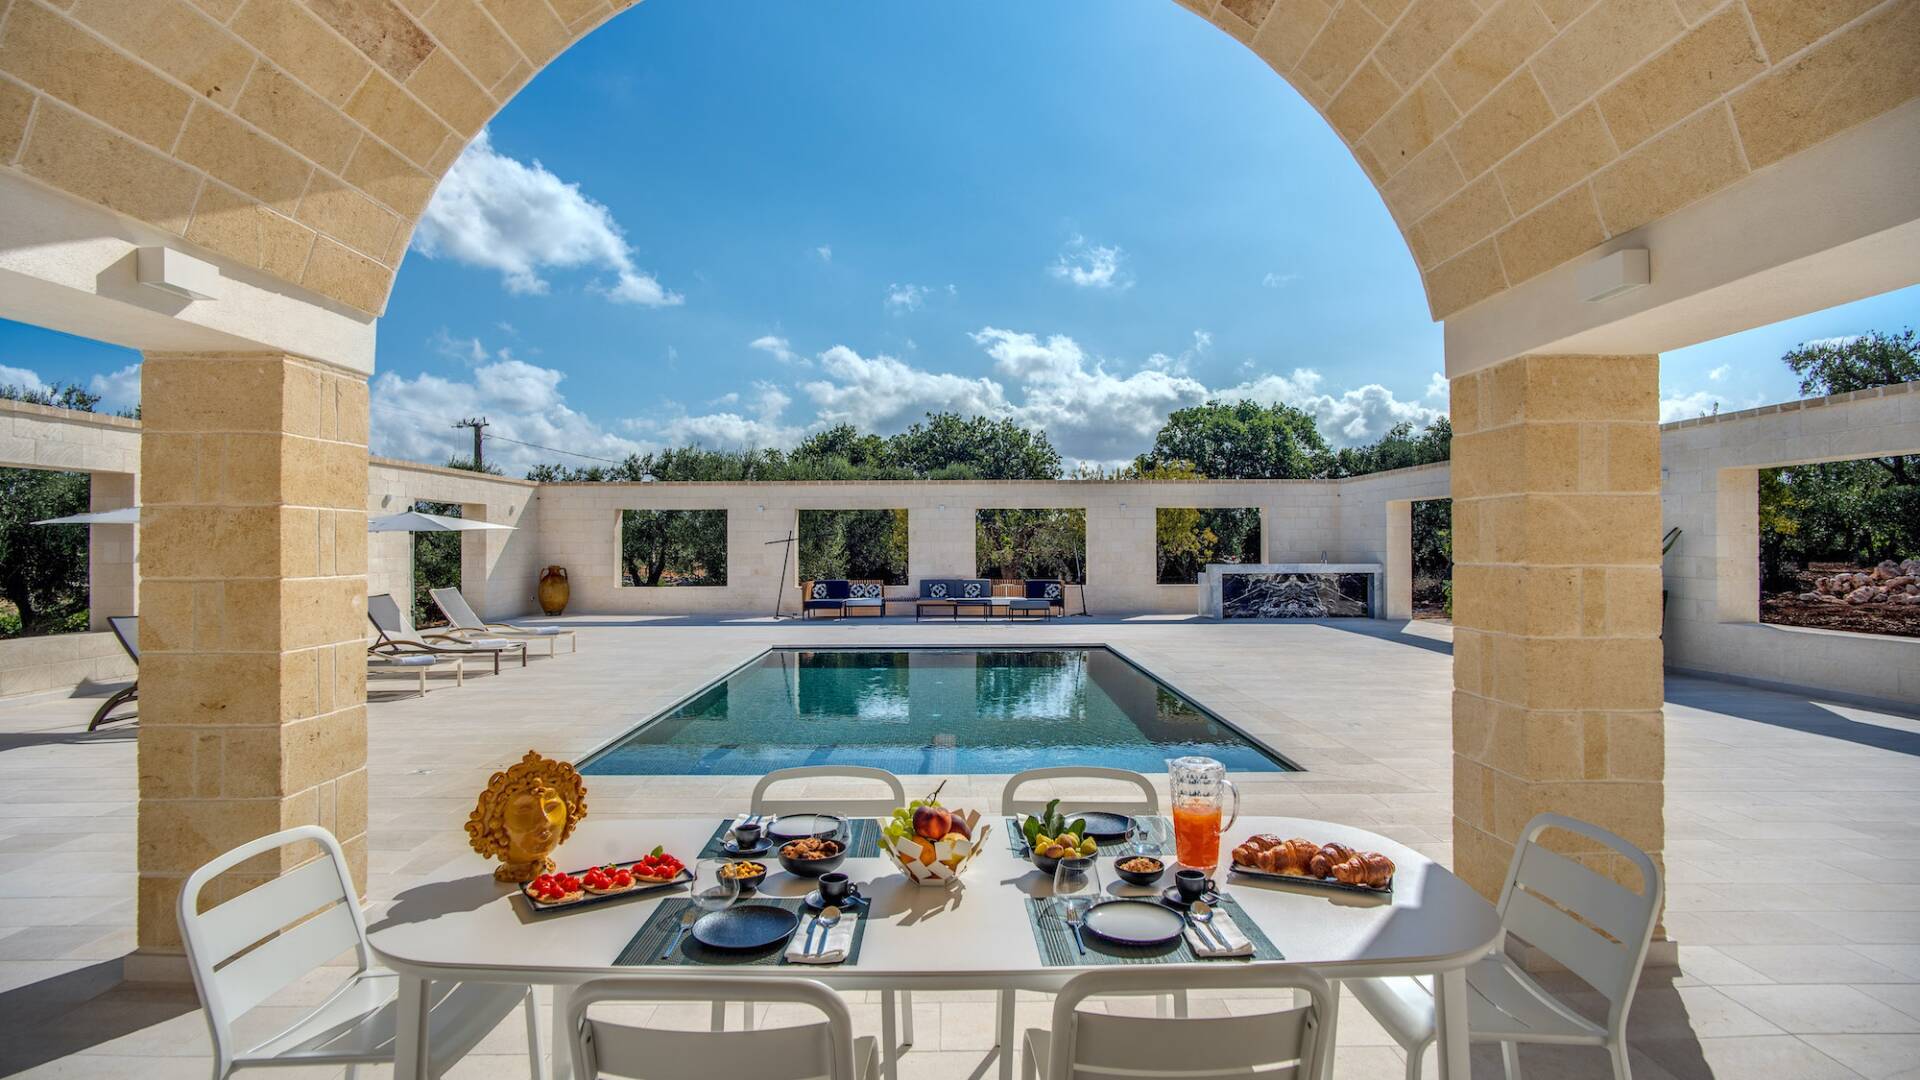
929	710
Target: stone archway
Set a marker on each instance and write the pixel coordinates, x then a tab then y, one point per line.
297	142
305	137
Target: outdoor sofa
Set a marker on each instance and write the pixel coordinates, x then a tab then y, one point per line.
951	596
843	597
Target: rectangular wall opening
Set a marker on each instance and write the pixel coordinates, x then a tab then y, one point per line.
1017	545
1432	566
43	568
1186	539
1839	545
854	545
672	548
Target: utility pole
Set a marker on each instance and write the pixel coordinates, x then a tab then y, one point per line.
478	424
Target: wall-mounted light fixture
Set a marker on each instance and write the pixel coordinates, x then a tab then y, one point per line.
1610	275
178	273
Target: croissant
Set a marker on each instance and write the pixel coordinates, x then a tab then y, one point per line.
1369	868
1248	853
1324	860
1295	858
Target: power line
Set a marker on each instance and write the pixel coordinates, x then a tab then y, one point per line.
556	450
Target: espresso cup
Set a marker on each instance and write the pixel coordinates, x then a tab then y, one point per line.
747	834
835	887
1193	884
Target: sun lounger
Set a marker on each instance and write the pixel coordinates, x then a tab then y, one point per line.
399	638
417	663
127	629
470	627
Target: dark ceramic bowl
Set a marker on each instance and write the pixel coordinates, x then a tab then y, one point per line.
1137	877
813	868
1045	865
752	881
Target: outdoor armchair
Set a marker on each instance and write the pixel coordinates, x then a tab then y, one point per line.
399	638
468	626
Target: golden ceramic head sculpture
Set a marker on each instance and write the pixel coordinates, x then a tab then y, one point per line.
526	812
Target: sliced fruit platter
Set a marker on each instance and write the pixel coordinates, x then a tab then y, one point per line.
931	844
563	890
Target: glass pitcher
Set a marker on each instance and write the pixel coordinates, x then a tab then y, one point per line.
1201	812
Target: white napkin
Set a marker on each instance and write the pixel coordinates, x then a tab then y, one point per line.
830	945
1206	945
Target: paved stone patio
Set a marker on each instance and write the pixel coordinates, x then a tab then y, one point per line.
1792	858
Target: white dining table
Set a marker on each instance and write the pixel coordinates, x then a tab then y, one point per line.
461	924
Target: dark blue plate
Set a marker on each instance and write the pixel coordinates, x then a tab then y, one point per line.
1133	922
745	926
733	849
1104	826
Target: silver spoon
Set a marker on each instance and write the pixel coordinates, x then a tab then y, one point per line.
829	918
1201	914
687	919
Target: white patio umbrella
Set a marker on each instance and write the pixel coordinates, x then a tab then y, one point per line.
415	521
126	515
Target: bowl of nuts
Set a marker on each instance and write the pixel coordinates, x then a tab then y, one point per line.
812	856
749	874
1140	869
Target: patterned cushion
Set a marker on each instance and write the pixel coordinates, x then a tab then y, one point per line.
867	590
973	588
1053	591
819	590
938	590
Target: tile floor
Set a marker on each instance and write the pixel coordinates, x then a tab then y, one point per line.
1793	860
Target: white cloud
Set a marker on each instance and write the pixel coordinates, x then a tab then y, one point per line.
466	350
1356	416
779	349
1719	373
1090	266
496	212
412	418
885	394
1090	413
825	252
1275	280
907	297
758	425
1439	388
22	378
1687	406
118	390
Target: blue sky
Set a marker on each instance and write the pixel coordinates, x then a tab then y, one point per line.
734	224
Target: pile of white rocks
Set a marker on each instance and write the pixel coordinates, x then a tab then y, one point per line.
1889	583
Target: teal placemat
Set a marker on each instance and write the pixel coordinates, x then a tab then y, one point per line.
1055	943
865	843
1018	842
644	950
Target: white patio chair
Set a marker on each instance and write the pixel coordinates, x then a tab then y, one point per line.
419	664
460	615
602	1048
1293	1044
299	921
1597	929
1013	805
761	803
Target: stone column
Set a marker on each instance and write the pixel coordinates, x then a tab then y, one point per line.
113	572
1396	583
1557	655
252	602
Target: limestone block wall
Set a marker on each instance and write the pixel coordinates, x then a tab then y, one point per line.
580	530
498	570
108	449
1711	494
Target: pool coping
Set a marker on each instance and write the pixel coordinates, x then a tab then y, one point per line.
1288	765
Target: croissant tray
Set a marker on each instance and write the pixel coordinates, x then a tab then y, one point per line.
1332	865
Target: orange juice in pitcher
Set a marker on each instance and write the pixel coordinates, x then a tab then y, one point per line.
1200	791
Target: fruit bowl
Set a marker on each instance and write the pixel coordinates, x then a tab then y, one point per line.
931	844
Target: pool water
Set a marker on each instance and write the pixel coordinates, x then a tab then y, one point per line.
929	710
